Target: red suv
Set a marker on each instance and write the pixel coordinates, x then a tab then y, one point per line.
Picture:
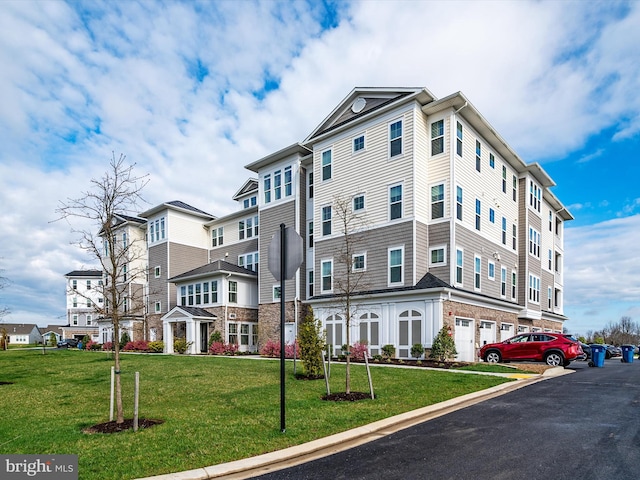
552	348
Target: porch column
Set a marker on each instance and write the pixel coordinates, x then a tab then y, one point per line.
191	336
167	335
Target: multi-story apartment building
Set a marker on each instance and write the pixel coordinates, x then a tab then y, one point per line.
455	230
84	294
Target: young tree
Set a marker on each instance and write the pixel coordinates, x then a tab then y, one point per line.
117	193
311	343
349	279
444	346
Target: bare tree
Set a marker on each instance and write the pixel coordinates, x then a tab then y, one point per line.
117	193
4	283
349	278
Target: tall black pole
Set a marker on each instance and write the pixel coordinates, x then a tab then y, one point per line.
283	265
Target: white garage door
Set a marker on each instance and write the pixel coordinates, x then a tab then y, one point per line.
487	333
464	340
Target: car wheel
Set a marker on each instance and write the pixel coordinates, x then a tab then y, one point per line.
492	357
607	355
566	363
554	359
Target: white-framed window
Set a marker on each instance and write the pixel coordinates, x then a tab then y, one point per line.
326	165
535	196
437	137
515	188
437	201
477	268
248	227
250	202
75	302
277	185
326	221
214	291
491	270
395	138
504	179
288	184
205	293
492	160
249	261
217	236
310	185
359	262
459	266
233	333
534	288
358	202
88	284
459	203
74	319
550	259
478	156
157	230
158	307
183	295
514	283
478	213
89	320
233	291
459	139
310	234
492	215
358	143
277	292
157	271
89	303
396	265
438	256
395	202
550	298
534	242
326	268
503	282
504	230
266	186
74	284
514	237
310	282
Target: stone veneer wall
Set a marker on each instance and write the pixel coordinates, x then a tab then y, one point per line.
269	324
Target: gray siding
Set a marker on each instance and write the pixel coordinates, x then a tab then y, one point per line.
439	234
234	250
182	258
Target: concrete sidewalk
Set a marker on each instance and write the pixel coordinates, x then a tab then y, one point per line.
269	462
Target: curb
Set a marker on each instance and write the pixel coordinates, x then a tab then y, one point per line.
272	461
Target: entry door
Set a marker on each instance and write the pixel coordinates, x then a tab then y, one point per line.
464	340
204	337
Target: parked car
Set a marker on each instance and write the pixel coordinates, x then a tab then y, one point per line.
68	343
612	351
552	348
586	349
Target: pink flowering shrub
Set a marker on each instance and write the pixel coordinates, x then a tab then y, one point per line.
221	348
91	345
137	346
107	346
272	349
359	350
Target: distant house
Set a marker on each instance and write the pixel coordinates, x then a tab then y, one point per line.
84	293
22	333
57	330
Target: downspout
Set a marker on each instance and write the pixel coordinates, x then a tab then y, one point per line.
226	308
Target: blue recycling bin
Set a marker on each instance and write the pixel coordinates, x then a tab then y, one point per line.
627	353
597	356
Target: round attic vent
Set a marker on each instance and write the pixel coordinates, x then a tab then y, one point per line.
358	105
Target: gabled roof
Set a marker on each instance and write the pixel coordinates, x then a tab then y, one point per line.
122	219
294	149
219	266
177	205
250	186
84	274
362	102
19	328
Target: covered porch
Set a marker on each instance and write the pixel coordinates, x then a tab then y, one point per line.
193	324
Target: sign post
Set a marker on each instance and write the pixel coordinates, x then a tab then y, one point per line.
285	257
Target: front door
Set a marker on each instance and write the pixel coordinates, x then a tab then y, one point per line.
204	337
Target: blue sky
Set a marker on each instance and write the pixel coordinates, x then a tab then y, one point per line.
193	91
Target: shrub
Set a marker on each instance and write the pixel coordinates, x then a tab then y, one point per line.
137	346
221	348
444	346
124	339
359	350
311	345
107	346
156	347
91	345
180	345
216	336
272	349
417	350
388	351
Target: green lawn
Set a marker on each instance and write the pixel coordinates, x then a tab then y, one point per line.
215	409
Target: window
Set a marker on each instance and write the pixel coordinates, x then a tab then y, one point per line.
327	275
157	271
395	139
513	285
476	272
459	260
248	227
277	292
190	298
478	213
326	221
515	188
549	298
183	295
358	143
249	202
437	256
310	185
74	284
158	307
156	230
124	240
277	185
550	221
504	179
326	165
233	291
74	320
503	282
492	215
478	155
249	261
534	242
267	188
88	284
310	282
396	264
491	271
550	259
233	333
437	201
459	203
535	195
534	289
287	182
125	270
358	203
359	262
214	291
89	320
310	235
459	138
514	236
504	230
395	202
244	334
89	303
217	236
205	293
492	161
437	137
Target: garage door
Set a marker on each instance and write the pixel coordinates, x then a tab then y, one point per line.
487	332
464	340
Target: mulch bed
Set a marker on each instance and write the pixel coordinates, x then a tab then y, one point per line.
6	383
347	397
113	427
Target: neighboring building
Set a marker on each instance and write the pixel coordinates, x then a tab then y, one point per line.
22	333
56	330
84	298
